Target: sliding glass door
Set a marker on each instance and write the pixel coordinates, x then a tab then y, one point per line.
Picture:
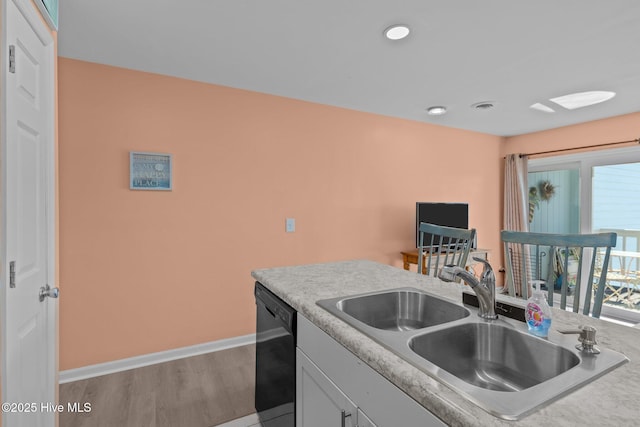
554	198
595	192
615	206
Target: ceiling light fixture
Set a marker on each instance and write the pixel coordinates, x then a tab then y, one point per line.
541	107
396	32
583	99
436	110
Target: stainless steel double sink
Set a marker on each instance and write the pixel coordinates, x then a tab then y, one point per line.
496	364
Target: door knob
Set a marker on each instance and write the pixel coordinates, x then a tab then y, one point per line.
46	291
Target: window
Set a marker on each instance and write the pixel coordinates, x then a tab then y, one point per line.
555	196
593	192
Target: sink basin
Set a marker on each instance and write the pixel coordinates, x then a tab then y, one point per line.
401	310
495	364
405	309
494	357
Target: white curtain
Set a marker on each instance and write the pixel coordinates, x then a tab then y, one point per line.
516	207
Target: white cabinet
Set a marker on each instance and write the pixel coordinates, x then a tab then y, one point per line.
330	379
319	402
363	420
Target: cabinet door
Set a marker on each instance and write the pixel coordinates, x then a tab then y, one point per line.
363	420
319	403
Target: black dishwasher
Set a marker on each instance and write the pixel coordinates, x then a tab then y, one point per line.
275	360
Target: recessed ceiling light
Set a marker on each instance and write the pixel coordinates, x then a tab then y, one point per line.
436	110
541	107
583	99
396	32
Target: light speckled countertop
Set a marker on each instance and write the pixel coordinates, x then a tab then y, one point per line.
613	399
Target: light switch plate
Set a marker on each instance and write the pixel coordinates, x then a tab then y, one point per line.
290	225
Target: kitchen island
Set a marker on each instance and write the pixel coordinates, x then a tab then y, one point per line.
613	399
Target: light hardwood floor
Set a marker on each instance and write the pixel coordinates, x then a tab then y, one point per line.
199	391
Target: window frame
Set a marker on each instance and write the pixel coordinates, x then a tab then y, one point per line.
585	162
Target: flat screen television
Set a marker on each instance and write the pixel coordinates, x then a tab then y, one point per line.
448	214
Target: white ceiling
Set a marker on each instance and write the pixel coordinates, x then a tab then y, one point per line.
460	52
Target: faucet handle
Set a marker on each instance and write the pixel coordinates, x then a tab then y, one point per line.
487	271
587	338
482	260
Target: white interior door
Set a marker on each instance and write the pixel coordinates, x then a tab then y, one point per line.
29	361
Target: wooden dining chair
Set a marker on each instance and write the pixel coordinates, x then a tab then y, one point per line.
439	246
557	260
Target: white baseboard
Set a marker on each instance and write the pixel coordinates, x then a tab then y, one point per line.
91	371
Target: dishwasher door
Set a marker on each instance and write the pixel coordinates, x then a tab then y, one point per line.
275	393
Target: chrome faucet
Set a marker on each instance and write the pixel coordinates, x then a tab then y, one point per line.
485	288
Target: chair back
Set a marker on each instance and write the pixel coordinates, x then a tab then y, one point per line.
558	261
439	246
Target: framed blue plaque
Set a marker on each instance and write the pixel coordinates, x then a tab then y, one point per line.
150	171
49	10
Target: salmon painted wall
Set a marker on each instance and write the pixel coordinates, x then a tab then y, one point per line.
619	128
145	271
